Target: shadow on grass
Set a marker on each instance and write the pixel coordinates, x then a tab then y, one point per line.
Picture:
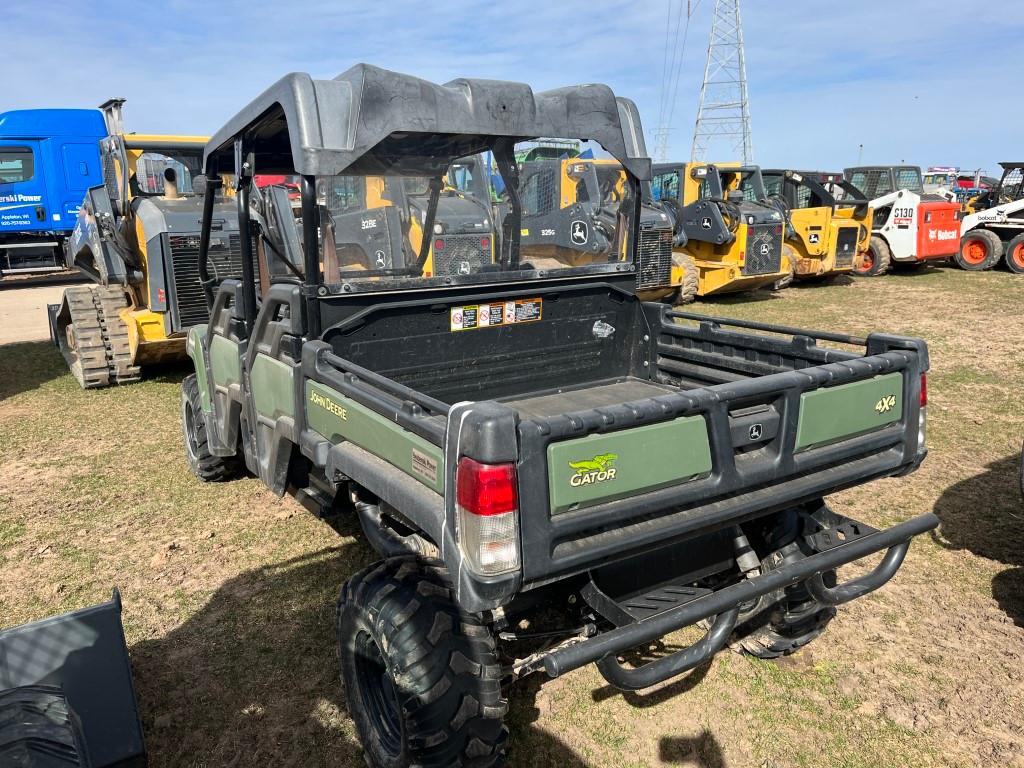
985	514
252	678
25	366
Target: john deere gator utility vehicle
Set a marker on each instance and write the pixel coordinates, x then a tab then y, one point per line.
994	227
825	235
524	445
909	226
137	237
723	226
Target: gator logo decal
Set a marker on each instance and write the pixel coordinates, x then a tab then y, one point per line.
887	403
595	470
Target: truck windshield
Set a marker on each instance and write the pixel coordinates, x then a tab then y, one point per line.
470	222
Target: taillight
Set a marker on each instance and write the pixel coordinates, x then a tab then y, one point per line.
922	415
485	242
488	506
439	244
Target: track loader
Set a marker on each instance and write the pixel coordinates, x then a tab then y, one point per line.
137	237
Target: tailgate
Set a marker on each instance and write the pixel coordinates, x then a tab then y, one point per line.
624	478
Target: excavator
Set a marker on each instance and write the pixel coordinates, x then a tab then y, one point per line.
137	237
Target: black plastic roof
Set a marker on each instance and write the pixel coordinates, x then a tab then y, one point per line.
370	120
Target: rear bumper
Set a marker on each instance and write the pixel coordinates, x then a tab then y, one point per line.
724	605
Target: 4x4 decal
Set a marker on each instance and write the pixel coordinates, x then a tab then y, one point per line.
887	403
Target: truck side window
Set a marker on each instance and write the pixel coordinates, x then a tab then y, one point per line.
16	164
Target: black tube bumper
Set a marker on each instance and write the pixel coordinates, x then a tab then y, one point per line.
724	606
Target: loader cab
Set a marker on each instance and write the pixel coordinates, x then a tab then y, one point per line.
1009	188
878	180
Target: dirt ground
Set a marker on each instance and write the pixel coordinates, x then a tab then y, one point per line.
229	591
23	312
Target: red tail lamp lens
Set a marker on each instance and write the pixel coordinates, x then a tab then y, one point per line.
486	489
439	244
924	390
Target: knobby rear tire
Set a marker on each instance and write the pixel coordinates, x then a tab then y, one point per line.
421	676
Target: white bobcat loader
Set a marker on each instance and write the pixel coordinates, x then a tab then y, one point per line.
909	226
995	230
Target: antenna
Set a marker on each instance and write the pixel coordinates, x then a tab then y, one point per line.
724	114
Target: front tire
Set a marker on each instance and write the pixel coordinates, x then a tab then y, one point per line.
1015	255
980	249
204	465
876	260
686	293
421	676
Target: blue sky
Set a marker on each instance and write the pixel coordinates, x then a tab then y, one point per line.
912	80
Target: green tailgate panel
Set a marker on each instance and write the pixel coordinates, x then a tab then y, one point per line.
598	468
271	382
835	413
338	418
225	364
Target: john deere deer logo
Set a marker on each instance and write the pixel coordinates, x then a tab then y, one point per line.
887	403
595	470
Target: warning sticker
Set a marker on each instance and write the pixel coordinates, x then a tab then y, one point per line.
499	313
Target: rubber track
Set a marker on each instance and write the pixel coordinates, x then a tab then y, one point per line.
110	300
88	361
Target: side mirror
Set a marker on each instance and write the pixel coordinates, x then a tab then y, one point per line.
199	184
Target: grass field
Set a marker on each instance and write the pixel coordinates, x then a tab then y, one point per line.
229	591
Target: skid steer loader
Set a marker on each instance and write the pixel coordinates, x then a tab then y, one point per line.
994	229
724	229
909	227
825	235
137	237
570	207
571	201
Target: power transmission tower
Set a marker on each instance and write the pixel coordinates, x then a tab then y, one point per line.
724	114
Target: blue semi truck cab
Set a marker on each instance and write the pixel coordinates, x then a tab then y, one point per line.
48	159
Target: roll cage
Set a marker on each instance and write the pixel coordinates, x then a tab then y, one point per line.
371	121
